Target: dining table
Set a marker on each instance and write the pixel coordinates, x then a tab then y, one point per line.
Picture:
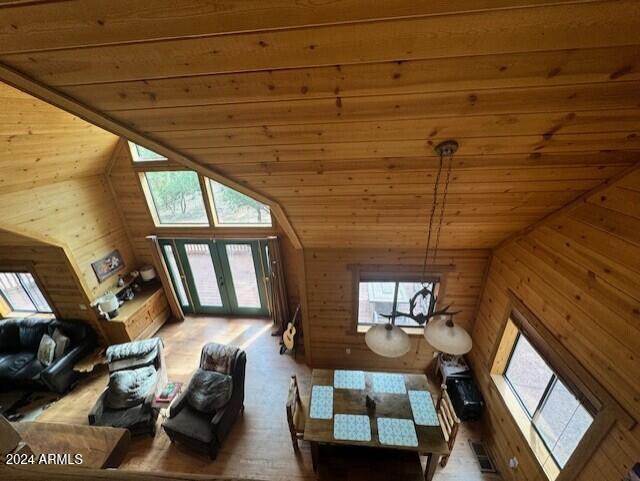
391	411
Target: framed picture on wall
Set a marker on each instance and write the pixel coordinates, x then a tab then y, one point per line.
108	265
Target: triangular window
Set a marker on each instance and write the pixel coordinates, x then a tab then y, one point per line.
142	154
233	208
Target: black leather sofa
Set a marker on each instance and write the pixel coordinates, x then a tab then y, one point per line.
19	366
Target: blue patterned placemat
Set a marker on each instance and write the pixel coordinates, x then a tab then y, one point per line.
351	427
348	379
424	412
388	383
321	402
397	432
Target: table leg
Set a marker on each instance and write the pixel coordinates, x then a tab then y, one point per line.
430	469
315	452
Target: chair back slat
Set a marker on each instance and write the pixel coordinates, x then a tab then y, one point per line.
448	421
448	411
445	429
294	402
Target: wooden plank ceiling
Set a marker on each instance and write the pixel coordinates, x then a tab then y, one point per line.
332	108
40	144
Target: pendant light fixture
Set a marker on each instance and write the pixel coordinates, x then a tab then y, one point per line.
445	336
441	332
389	340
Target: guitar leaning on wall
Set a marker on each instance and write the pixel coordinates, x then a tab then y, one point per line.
289	334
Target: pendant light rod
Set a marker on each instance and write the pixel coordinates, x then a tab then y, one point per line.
443	149
434	204
447	148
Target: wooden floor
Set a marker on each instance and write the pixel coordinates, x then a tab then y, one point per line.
259	445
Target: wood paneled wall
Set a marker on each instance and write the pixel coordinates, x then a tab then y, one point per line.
580	274
55	205
130	201
79	213
40	144
53	270
292	258
330	292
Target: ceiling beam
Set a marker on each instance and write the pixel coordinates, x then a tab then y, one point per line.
47	94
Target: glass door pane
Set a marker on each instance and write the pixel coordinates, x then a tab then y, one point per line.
218	277
243	275
203	272
174	272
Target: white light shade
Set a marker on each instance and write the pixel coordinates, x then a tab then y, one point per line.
447	337
387	340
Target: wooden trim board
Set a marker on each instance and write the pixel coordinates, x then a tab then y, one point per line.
72	473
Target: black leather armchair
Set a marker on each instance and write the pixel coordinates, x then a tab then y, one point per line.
19	341
206	432
139	418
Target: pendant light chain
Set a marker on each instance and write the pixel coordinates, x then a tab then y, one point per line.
444	150
431	216
442	206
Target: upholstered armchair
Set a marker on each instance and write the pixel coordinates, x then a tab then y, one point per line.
136	373
205	430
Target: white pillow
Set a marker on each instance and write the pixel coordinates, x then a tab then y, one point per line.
46	350
61	341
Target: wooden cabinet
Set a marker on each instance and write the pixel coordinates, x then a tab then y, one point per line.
139	318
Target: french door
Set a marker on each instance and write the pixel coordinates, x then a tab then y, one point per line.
218	276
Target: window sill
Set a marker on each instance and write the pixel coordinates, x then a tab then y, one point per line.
244	226
533	439
411	331
220	228
183	226
30	315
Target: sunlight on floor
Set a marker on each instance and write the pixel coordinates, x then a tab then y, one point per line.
252	339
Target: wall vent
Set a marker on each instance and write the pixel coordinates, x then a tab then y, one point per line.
486	465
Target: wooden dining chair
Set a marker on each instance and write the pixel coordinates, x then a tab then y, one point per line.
448	421
296	412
